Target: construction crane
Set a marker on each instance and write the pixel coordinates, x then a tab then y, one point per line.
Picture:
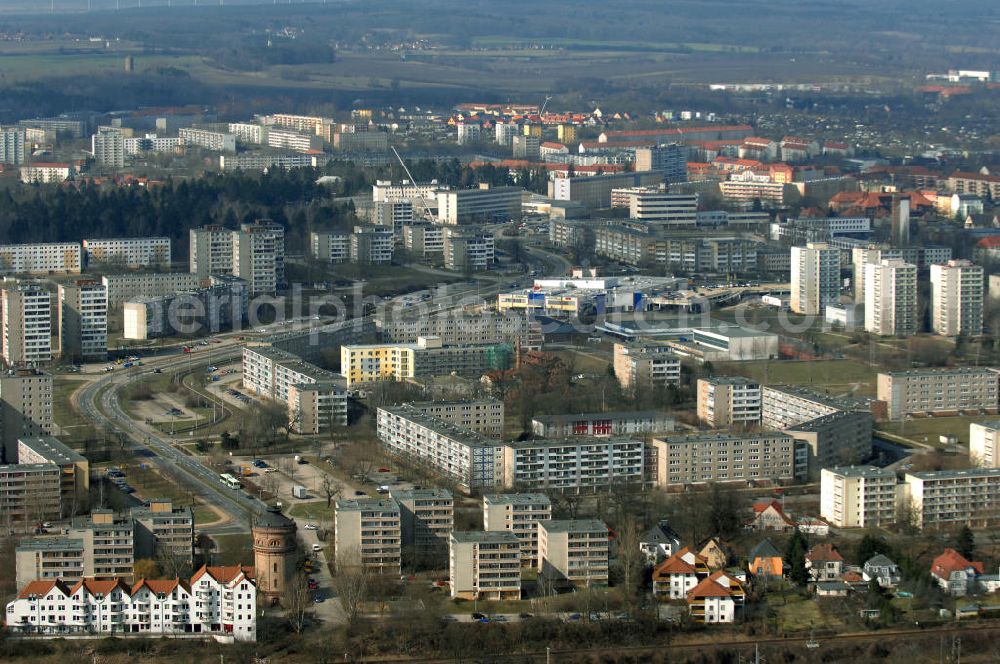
547	100
425	213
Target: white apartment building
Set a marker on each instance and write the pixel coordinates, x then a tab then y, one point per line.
891	298
466	251
784	406
518	513
748	186
573	551
259	161
858	496
316	399
216	601
45	172
247	132
108	147
621	423
136	145
646	364
312	124
210	140
83	321
725	401
574	463
723	457
504	133
26	398
42	258
330	247
815	278
394	215
662	208
471	460
423	239
387	190
26	335
259	256
368	534
483	416
957	298
457	328
946	390
210	251
465	206
132	252
468	132
13	145
954	497
371	244
289	139
484	565
123	287
984	444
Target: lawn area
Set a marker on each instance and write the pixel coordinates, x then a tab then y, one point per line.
233	549
799	614
926	430
149	485
835	376
314	510
584	362
62	410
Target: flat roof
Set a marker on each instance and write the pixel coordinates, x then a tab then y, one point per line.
52	449
574	525
695	438
955	474
615	415
417	494
577	441
475	536
823	420
441	426
516	499
51	544
939	370
730	380
363	504
861	471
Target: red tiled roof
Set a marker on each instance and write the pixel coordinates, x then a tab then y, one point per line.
975	176
952	561
991	242
41	587
223	574
710	587
677	131
164	586
676	564
824	553
100	587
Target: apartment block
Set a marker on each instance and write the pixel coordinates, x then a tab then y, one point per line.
624	423
366	363
573	463
485	565
13	145
957	298
669	159
573	552
330	247
891	298
41	258
123	287
223	304
485	204
83	321
210	250
259	256
74	483
840	438
46	172
368	534
954	497
163	530
210	140
984	444
646	365
594	191
784	406
394	215
108	147
663	208
458	328
258	161
246	132
469	459
131	252
858	496
518	513
216	601
427	518
815	278
371	245
289	139
485	416
110	539
30	493
525	147
948	390
423	239
25	407
726	401
471	252
26	335
316	398
49	558
722	457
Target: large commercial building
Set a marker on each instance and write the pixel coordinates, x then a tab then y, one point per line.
624	423
216	601
316	399
83	321
938	391
646	365
368	363
485	565
41	258
427	518
223	304
574	463
725	401
858	496
483	416
949	498
957	299
123	287
518	513
891	298
722	457
471	460
573	552
458	328
26	335
368	534
131	252
485	204
25	407
984	444
815	278
210	140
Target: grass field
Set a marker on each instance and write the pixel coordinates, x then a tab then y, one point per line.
926	430
833	376
233	549
313	510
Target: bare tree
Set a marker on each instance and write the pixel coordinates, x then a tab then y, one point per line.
630	558
330	490
352	585
297	602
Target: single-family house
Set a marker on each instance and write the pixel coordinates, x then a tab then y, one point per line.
769	515
883	570
765	560
954	573
675	576
717	599
824	563
659	543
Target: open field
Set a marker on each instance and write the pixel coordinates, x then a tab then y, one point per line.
840	377
926	430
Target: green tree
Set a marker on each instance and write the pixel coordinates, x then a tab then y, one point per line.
795	556
965	543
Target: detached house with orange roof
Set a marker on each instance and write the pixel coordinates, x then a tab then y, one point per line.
954	573
824	563
217	601
675	576
769	515
717	599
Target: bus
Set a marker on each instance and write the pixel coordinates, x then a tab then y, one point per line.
230	481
